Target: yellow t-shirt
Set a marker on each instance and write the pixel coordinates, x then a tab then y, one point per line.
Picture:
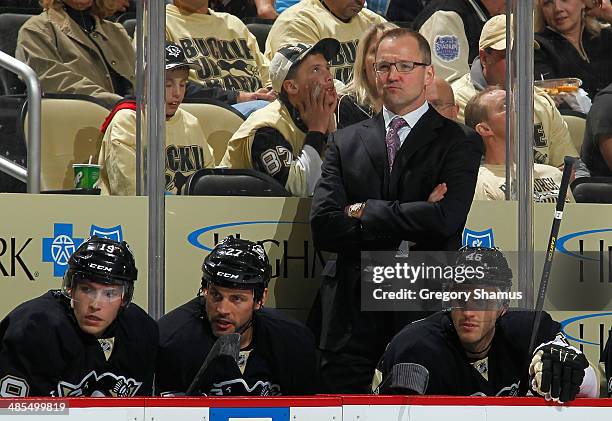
551	138
186	152
275	157
222	45
491	183
309	21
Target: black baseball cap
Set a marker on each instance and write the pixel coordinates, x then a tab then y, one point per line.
175	57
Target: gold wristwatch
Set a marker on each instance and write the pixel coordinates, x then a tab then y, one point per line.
354	209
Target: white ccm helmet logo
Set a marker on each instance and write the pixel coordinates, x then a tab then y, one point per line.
227	275
100	267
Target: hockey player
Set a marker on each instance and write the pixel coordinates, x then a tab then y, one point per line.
606	357
478	348
277	354
87	339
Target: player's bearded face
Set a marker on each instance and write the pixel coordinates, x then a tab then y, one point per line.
475	328
96	305
228	309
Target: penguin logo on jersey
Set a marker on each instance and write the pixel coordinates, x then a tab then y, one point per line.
511	390
106	384
107	345
238	387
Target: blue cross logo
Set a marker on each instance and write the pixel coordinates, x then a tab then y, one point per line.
59	248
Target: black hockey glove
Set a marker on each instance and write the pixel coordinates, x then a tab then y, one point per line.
557	371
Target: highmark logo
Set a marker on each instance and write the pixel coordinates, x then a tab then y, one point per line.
220	231
580	236
594	251
59	248
292	257
603	328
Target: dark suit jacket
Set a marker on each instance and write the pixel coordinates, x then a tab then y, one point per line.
355	169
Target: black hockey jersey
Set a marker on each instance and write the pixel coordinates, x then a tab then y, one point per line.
433	343
281	361
44	352
606	358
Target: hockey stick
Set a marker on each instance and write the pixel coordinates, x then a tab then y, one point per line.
550	250
226	345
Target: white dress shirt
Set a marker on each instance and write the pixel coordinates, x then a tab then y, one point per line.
411	118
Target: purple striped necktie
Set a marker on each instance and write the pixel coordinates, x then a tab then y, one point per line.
392	138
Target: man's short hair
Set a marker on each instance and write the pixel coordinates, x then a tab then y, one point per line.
402	32
475	111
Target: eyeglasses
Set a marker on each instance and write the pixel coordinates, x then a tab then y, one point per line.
384	67
441	105
107	294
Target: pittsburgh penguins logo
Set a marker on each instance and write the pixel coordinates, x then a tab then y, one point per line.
239	65
239	387
107	345
257	248
173	50
511	390
106	384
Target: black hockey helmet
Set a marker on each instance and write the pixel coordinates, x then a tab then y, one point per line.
490	261
239	264
488	269
104	261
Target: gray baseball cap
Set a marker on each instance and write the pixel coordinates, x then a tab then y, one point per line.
291	55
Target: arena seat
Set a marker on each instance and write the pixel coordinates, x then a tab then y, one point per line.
130	26
592	189
70	133
219	122
10	23
31	7
122	17
260	30
232	182
576	123
12	143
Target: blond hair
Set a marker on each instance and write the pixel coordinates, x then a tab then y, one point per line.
100	8
358	86
591	24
